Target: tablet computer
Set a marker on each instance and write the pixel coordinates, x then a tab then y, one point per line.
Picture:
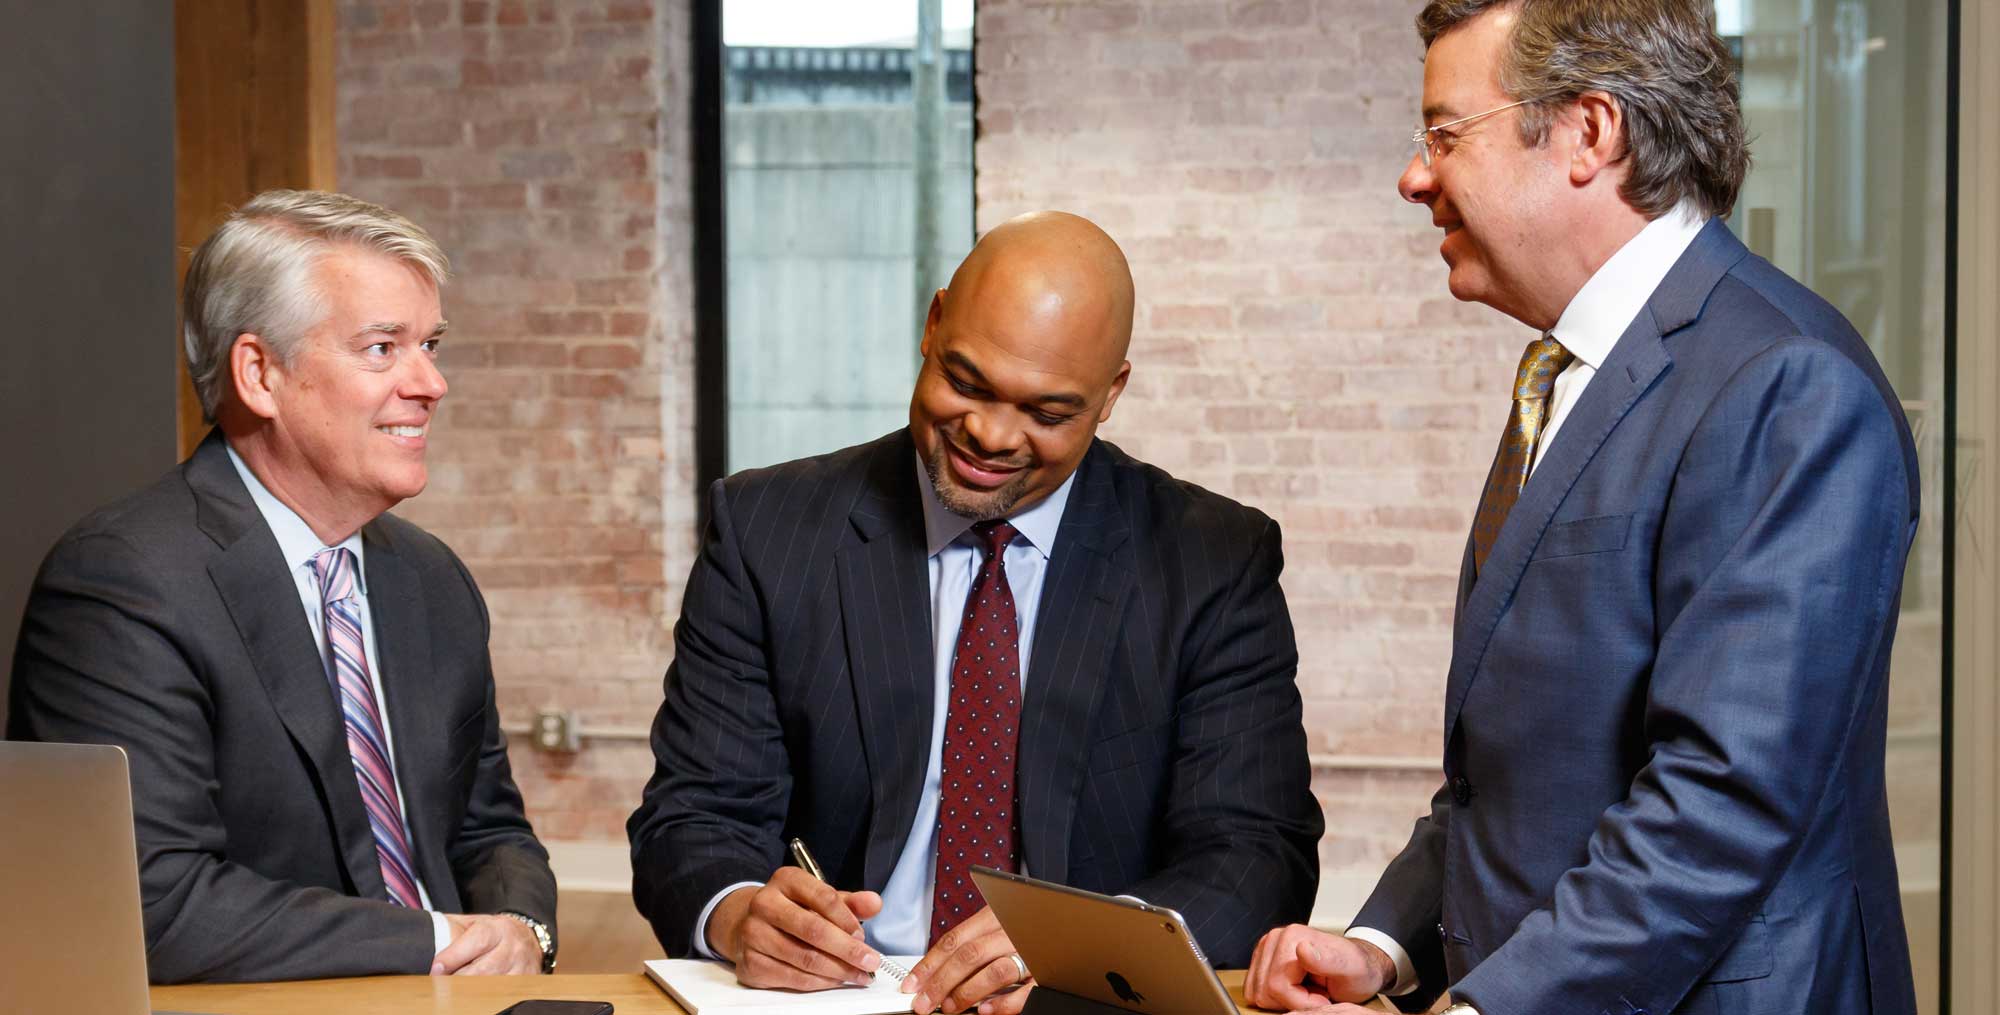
1118	952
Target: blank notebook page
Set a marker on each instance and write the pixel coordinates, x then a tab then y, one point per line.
708	988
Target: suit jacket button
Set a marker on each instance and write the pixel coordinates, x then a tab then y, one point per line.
1461	790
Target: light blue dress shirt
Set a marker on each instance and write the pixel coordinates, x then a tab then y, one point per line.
903	926
299	546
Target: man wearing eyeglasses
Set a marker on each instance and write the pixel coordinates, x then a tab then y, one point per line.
1666	708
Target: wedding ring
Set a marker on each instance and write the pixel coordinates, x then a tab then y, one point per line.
1022	966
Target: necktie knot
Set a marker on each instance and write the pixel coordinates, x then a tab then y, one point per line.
995	535
334	568
1540	363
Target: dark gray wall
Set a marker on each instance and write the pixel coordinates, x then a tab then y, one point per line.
86	270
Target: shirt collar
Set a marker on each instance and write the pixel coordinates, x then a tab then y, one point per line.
1038	524
1608	303
295	538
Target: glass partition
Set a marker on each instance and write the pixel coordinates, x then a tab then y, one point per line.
1845	101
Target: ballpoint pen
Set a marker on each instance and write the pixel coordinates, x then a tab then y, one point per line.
804	858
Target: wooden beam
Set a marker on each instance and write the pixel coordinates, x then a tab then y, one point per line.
254	110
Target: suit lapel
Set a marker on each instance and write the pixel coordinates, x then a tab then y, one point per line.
1635	362
255	584
415	713
1076	627
885	617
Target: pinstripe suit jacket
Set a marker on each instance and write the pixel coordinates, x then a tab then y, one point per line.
1161	748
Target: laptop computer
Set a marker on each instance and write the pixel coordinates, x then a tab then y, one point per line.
1118	953
72	939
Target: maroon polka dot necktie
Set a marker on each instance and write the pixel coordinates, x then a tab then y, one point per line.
976	819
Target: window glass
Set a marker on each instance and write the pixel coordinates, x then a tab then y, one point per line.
1845	101
845	126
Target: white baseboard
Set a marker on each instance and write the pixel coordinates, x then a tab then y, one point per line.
591	866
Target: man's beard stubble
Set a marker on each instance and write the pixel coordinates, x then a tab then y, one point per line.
982	507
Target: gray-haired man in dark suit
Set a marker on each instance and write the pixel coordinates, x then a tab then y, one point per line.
300	680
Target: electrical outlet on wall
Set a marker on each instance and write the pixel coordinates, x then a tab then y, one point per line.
555	731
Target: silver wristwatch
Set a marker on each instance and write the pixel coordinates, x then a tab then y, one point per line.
1460	1009
541	938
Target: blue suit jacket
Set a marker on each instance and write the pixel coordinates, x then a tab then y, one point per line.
1666	710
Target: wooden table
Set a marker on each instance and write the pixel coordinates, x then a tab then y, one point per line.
629	993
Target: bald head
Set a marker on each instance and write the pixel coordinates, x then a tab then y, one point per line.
1056	273
1024	355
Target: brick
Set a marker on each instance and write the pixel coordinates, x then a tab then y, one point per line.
493	196
398	167
508	133
1185	317
612	291
530	354
1270	14
426	133
1100	17
629	324
606	356
1247	418
540	165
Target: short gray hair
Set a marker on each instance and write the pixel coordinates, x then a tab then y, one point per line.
1672	76
255	275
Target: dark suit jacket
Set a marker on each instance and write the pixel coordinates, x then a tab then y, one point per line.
168	624
1665	715
1161	749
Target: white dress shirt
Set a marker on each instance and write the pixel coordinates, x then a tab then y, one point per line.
299	546
903	926
1589	327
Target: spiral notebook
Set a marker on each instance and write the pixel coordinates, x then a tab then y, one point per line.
710	988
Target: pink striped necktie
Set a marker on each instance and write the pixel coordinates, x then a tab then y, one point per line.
348	668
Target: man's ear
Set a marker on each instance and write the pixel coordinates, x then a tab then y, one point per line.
1117	388
931	322
1600	143
255	374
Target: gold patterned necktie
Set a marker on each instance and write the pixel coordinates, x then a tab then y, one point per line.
1544	359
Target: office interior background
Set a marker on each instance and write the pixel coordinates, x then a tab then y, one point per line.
696	236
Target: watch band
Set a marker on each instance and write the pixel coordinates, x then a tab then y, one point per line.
542	938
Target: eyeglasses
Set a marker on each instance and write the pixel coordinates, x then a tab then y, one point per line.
1426	138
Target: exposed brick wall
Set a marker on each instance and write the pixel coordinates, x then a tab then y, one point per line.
543	145
1296	347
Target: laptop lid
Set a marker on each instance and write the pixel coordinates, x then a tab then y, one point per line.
1118	952
72	939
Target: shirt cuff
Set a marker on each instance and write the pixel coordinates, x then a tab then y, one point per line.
440	933
1406	973
701	922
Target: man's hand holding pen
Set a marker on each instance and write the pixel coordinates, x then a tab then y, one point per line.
795	932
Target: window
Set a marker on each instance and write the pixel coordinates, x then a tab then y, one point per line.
842	151
1845	101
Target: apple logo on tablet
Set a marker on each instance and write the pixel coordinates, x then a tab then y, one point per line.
1123	989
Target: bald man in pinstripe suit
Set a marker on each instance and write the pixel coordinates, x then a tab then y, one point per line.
1145	735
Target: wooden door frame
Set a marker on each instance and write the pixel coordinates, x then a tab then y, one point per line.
1973	906
253	109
